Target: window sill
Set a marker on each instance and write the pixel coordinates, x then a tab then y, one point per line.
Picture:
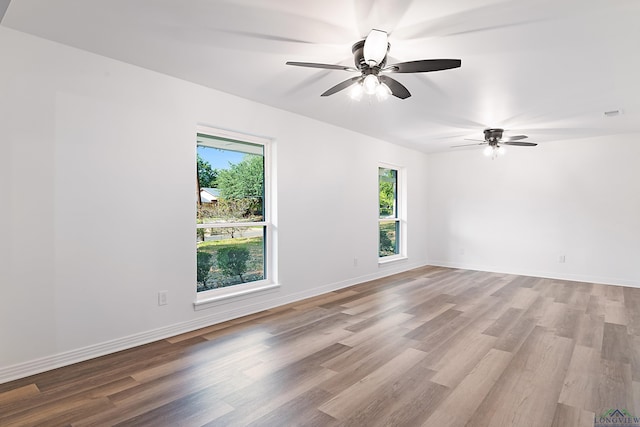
391	260
225	296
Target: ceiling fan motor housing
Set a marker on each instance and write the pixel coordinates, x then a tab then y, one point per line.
493	136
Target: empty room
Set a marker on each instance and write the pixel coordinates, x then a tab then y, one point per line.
338	213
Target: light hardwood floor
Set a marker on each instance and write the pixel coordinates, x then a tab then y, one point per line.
431	347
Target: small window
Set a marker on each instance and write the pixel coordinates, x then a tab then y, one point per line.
389	218
232	219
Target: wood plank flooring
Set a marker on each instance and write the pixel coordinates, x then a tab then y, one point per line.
431	347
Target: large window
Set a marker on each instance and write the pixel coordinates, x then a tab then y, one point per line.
232	215
389	218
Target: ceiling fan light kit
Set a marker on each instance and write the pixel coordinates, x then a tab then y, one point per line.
370	58
494	151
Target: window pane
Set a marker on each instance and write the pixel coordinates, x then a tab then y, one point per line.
389	232
229	256
388	184
230	181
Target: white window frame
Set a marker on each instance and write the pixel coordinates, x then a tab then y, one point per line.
400	218
215	297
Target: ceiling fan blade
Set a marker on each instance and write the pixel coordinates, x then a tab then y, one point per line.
340	86
375	47
323	66
516	138
397	89
424	65
4	5
521	144
470	139
468	145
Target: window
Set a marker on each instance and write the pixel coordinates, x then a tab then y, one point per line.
232	228
389	219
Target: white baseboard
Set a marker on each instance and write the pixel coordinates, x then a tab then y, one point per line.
543	274
32	367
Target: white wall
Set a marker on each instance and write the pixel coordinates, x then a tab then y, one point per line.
520	213
96	185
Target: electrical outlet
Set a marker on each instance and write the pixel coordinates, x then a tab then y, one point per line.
162	297
355	261
562	259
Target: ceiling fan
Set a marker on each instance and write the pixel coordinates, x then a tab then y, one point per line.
493	139
370	57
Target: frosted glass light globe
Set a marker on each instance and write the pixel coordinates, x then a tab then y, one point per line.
356	92
370	84
382	92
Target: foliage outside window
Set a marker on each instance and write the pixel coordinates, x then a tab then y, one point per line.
388	219
231	228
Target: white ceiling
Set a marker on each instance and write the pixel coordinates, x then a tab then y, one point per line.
548	69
